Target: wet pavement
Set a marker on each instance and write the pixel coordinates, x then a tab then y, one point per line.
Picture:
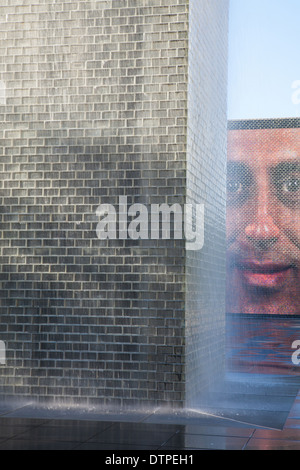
29	428
258	409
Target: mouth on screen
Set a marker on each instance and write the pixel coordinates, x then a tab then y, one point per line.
265	275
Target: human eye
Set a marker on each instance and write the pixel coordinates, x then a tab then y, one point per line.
234	187
288	190
239	182
287	185
292	185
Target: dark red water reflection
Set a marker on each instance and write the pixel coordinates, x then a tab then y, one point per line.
262	344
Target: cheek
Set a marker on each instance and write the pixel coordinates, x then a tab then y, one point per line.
236	220
229	223
289	224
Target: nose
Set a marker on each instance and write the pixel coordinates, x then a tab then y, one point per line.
263	231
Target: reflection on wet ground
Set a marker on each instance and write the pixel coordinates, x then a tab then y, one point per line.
263	344
258	408
262	377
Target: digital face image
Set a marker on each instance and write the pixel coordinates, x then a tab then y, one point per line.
263	220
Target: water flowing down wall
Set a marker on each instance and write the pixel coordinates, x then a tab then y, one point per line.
94	108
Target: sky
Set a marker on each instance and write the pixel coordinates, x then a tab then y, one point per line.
264	59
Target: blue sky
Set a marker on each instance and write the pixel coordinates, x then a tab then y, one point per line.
264	59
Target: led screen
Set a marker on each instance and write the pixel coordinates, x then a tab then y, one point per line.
263	217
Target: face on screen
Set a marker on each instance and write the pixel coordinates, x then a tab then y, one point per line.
263	221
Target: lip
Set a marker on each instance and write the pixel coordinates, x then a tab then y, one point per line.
267	275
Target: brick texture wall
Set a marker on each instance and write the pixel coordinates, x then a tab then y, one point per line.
206	182
93	106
